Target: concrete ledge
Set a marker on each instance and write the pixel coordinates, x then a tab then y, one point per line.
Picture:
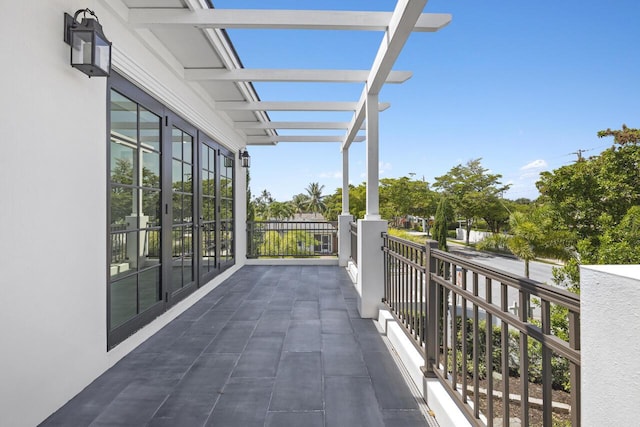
352	269
292	261
446	411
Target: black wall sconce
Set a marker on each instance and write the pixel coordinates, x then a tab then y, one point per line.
90	49
245	158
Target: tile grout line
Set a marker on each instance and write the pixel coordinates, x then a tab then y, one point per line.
422	404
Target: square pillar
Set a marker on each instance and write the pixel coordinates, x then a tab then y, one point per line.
344	239
370	286
609	348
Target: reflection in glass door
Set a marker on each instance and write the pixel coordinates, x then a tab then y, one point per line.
135	214
170	214
227	243
208	262
182	239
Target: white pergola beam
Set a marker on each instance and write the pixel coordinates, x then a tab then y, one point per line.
289	75
291	106
293	125
274	139
280	19
400	27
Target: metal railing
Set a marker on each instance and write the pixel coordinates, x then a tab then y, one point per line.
488	335
120	250
118	243
353	231
296	239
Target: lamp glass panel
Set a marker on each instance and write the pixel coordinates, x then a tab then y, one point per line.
81	46
103	54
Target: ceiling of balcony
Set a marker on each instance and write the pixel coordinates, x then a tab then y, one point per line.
192	36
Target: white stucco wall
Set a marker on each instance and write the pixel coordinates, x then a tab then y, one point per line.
609	300
474	236
53	209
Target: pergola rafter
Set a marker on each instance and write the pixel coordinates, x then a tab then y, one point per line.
292	106
250	114
289	75
406	18
280	19
271	140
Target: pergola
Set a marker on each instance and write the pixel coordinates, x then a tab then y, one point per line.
190	36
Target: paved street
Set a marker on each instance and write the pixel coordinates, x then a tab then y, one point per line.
538	271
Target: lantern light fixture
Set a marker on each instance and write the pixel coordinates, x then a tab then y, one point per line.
90	48
245	158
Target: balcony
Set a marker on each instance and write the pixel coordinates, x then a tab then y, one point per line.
272	345
208	351
286	345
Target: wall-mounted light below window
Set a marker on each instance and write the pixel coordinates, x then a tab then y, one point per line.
90	49
245	158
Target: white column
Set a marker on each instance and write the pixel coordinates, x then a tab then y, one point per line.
344	239
609	324
345	181
370	286
344	220
373	198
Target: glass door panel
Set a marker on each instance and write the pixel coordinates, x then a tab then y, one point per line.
227	244
182	227
134	200
208	217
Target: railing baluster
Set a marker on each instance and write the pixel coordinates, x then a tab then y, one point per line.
574	370
504	337
546	366
489	353
476	352
431	339
524	361
463	334
426	313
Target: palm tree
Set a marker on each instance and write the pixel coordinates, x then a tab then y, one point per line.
315	198
532	236
280	210
299	203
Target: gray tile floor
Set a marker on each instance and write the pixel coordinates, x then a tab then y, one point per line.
271	346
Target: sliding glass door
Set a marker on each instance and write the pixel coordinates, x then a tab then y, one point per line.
208	212
182	209
170	209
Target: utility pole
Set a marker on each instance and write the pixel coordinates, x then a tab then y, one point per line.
579	153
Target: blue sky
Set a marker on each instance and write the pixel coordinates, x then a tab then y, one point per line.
522	85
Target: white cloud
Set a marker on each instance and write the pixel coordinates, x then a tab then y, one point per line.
536	164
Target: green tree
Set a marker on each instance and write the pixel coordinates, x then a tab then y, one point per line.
496	214
618	243
444	214
471	190
261	204
251	208
402	196
624	136
280	210
595	197
299	203
357	203
533	235
315	201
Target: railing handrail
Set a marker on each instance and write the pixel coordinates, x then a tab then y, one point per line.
428	292
257	246
554	294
